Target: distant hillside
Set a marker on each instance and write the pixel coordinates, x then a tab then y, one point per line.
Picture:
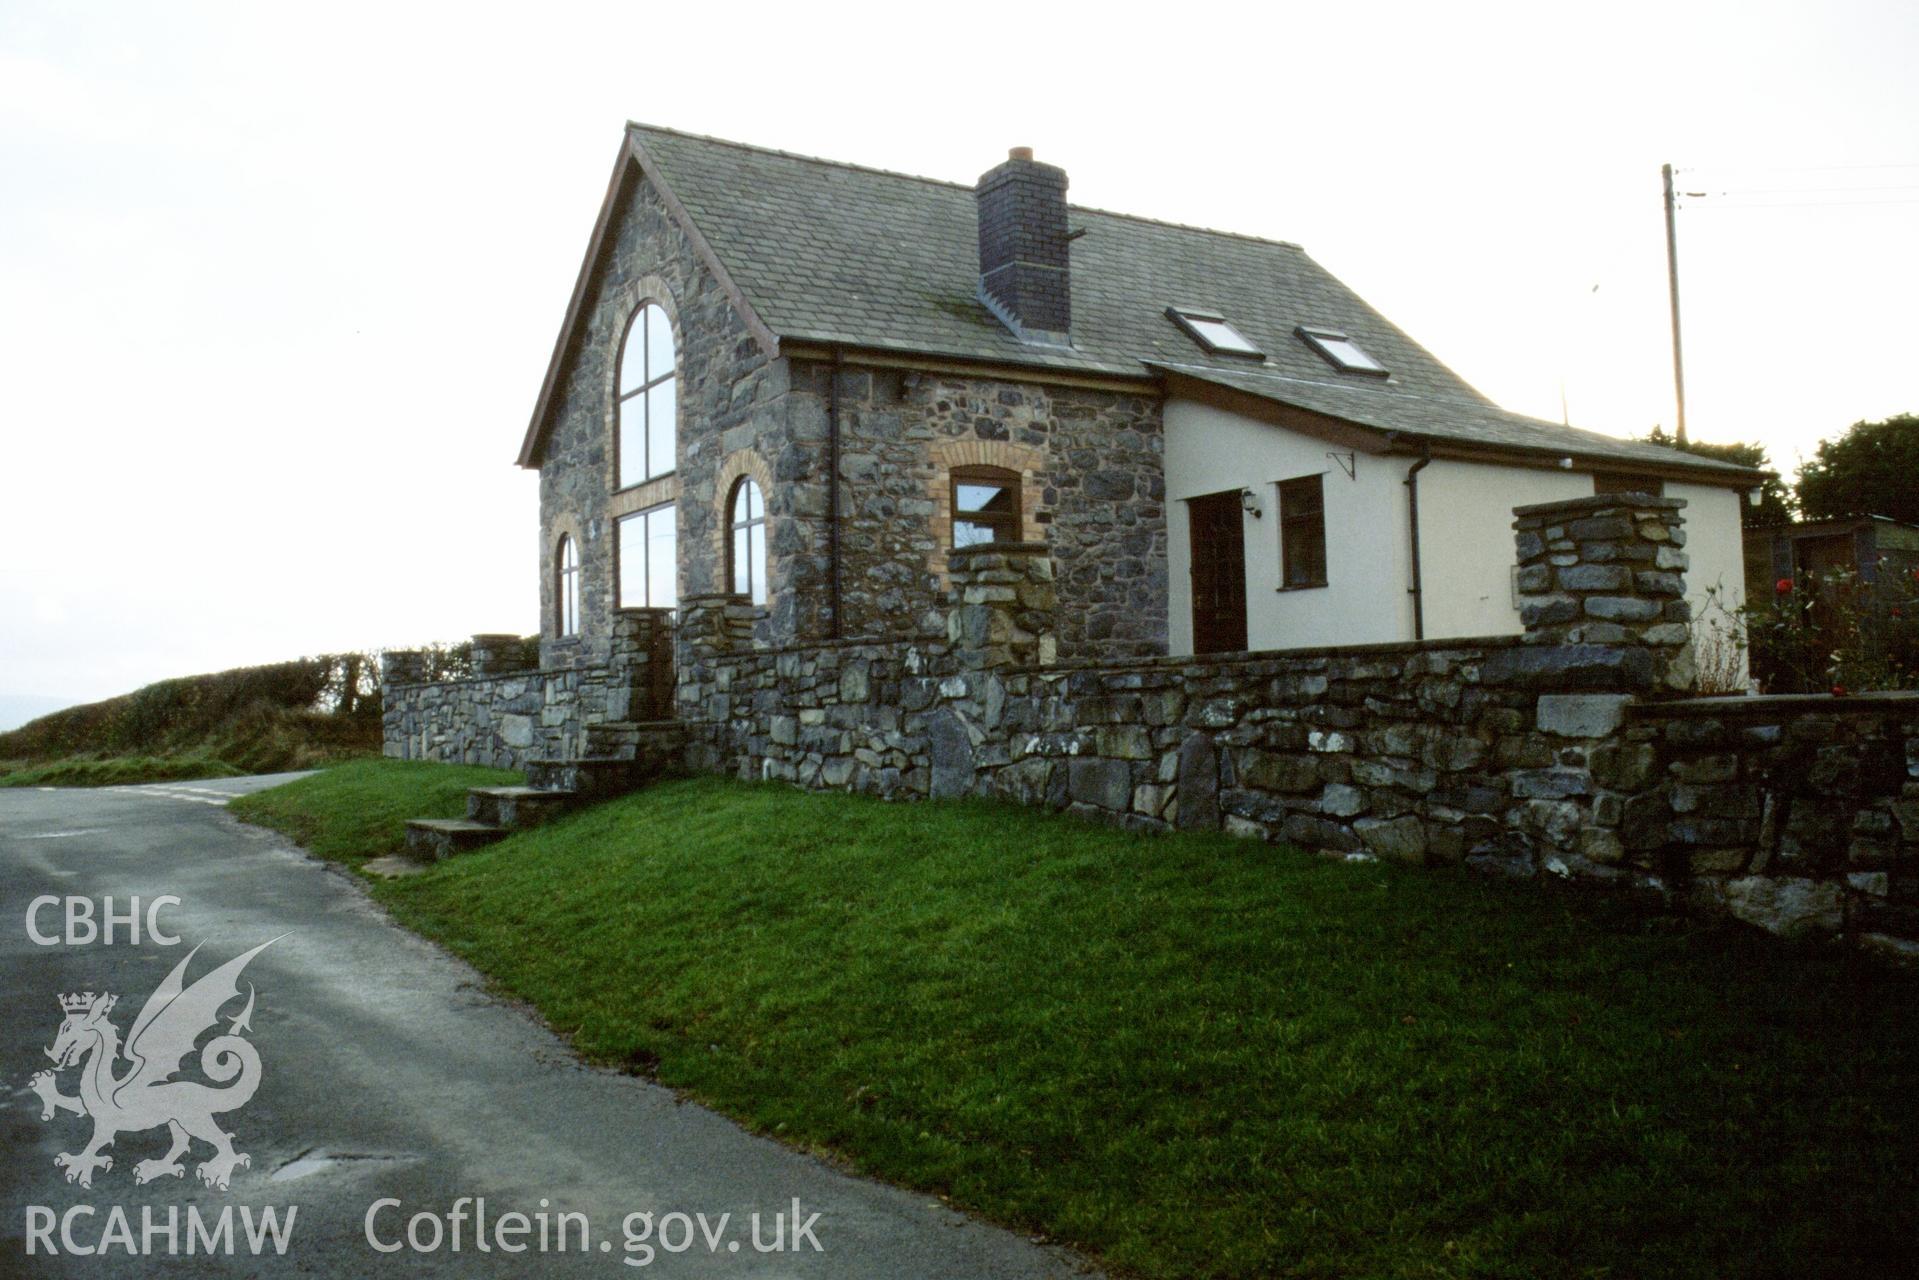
289	715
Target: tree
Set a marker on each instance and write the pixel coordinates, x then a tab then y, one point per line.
1775	502
1872	470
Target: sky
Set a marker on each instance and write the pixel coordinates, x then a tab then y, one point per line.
278	284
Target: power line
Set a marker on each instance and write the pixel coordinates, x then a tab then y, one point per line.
1797	191
1811	168
1794	204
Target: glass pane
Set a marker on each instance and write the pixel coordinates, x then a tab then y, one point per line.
1350	354
1221	335
755	506
662	589
968	534
660	419
632	562
633	358
757	536
742	563
632	441
659	343
985	497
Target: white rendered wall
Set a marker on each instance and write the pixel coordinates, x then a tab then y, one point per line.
1466	536
1367	557
1716	576
1466	556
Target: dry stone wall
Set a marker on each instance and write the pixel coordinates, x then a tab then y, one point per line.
1571	751
510	712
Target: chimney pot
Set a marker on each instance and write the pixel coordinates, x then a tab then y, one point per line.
1020	153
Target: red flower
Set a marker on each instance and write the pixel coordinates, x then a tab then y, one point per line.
1782	586
1897	612
1839	691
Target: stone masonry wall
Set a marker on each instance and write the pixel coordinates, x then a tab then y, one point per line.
1571	751
730	398
1091	460
509	713
1093	481
1798	813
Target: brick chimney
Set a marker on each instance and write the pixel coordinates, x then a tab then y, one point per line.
1023	277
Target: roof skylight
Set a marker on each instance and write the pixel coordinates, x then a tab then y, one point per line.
1210	330
1341	351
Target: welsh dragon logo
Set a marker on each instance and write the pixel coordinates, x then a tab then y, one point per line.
145	1095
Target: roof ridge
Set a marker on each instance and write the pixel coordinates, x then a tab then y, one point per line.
957	186
795	155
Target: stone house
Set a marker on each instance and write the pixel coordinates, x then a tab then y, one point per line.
1221	446
1157	526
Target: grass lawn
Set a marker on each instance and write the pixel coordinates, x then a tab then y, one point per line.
116	771
1196	1056
359	810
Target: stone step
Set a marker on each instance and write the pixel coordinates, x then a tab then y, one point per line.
591	778
630	739
435	838
517	808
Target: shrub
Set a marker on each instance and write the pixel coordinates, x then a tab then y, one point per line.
1835	632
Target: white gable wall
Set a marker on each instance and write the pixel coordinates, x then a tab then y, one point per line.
1466	536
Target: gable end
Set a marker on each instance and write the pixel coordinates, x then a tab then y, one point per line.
632	164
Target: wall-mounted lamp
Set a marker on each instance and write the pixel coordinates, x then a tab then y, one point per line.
1565	464
1248	503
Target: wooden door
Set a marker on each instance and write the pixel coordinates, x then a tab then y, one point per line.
1219	573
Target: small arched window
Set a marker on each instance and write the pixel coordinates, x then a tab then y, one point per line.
986	506
746	544
566	593
647	409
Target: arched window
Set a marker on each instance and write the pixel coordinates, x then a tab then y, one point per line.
746	546
986	505
567	583
646	397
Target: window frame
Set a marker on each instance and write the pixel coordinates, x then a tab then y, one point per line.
1318	336
641	395
566	588
645	516
751	525
1301	527
1190	318
980	473
1610	482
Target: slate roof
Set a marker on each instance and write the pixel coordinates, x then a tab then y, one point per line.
835	253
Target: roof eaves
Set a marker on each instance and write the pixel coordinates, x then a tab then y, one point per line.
1234	380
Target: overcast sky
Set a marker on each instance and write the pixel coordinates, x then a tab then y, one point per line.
278	284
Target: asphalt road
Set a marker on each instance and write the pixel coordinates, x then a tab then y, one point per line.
387	1072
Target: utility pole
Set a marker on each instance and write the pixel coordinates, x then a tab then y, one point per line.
1672	282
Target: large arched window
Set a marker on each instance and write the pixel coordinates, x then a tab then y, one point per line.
566	594
986	505
746	544
646	397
